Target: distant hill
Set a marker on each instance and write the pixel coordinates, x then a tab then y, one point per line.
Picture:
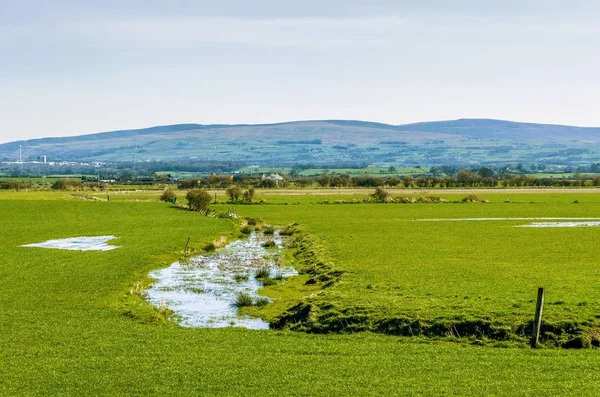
471	141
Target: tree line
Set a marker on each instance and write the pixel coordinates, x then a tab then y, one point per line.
462	179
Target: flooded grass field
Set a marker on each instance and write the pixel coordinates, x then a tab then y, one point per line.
202	291
72	322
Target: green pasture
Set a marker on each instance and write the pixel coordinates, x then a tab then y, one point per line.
69	324
399	267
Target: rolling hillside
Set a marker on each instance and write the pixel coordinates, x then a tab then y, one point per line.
465	141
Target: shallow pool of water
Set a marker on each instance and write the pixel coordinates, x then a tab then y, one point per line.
96	243
562	224
201	292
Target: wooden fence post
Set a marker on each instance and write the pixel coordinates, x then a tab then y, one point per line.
537	320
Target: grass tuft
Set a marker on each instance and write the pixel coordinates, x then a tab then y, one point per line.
243	299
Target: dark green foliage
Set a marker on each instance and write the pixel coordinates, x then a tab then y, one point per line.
210	247
234	193
66	184
198	200
168	196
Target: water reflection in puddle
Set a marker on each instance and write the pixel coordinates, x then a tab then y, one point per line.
201	291
562	224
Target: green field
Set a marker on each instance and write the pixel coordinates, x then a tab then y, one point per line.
449	275
69	324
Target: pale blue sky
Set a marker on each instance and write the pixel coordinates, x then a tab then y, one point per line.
70	68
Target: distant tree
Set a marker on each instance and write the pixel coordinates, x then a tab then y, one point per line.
394	181
380	194
60	184
168	196
303	182
324	180
66	184
391	169
128	176
249	195
234	193
268	183
198	199
485	172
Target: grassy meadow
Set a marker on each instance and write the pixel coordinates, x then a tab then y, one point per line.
402	271
72	324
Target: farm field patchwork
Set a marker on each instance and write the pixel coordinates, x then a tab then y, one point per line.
70	323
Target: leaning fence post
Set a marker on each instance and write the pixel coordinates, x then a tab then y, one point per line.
537	320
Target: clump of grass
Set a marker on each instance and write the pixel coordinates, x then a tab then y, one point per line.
264	276
263	272
474	199
242	299
268	230
431	199
288	230
266	281
269	244
163	309
406	200
262	301
210	247
139	289
247	229
240	277
253	223
220	242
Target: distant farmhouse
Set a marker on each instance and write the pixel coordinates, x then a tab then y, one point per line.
278	179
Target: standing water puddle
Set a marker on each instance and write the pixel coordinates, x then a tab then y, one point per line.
203	290
562	224
96	243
